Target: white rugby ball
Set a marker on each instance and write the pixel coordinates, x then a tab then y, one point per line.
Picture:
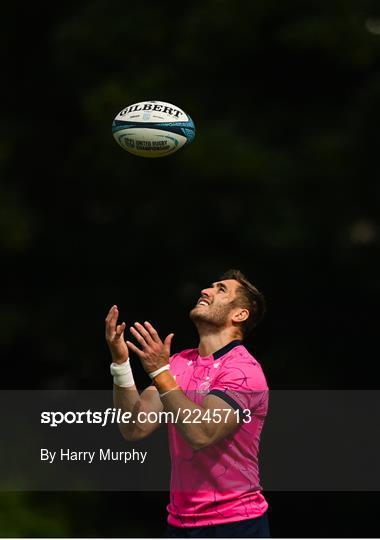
152	129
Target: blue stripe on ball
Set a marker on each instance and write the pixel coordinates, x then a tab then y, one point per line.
186	129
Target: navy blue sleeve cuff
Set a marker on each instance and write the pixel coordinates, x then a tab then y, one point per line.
229	400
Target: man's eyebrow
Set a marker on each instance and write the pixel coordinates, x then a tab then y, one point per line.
220	285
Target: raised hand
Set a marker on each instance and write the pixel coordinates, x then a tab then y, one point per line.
153	353
115	337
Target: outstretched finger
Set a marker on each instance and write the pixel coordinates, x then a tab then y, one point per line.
135	349
111	320
111	313
152	331
120	329
167	343
138	336
145	334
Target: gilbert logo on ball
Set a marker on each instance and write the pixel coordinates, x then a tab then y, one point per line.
153	129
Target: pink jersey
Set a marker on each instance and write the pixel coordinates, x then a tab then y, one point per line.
220	483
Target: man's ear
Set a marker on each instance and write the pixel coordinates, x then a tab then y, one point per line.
240	315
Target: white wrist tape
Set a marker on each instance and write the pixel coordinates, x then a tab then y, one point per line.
154	374
122	374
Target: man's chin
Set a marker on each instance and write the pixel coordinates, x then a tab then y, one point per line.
197	315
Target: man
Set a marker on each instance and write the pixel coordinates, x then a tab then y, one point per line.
219	395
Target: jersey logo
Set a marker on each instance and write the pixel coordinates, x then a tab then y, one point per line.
204	387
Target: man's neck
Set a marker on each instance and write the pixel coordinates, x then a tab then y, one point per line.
209	343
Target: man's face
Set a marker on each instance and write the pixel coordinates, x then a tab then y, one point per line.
216	303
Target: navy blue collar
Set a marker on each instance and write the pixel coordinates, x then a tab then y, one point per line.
227	348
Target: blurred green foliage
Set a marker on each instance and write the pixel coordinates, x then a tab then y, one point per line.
21	517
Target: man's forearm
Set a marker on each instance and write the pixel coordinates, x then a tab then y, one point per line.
126	399
129	400
197	423
197	434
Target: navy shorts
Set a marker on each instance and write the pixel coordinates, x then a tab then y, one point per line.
249	528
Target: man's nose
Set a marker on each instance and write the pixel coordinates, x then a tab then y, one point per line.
206	292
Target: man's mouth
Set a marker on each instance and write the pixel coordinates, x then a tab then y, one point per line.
203	302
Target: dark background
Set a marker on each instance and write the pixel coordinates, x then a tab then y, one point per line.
281	182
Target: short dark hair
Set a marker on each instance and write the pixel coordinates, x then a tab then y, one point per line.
249	297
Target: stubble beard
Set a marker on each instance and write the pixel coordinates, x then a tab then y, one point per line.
214	319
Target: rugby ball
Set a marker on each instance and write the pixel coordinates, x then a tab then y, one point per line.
152	129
